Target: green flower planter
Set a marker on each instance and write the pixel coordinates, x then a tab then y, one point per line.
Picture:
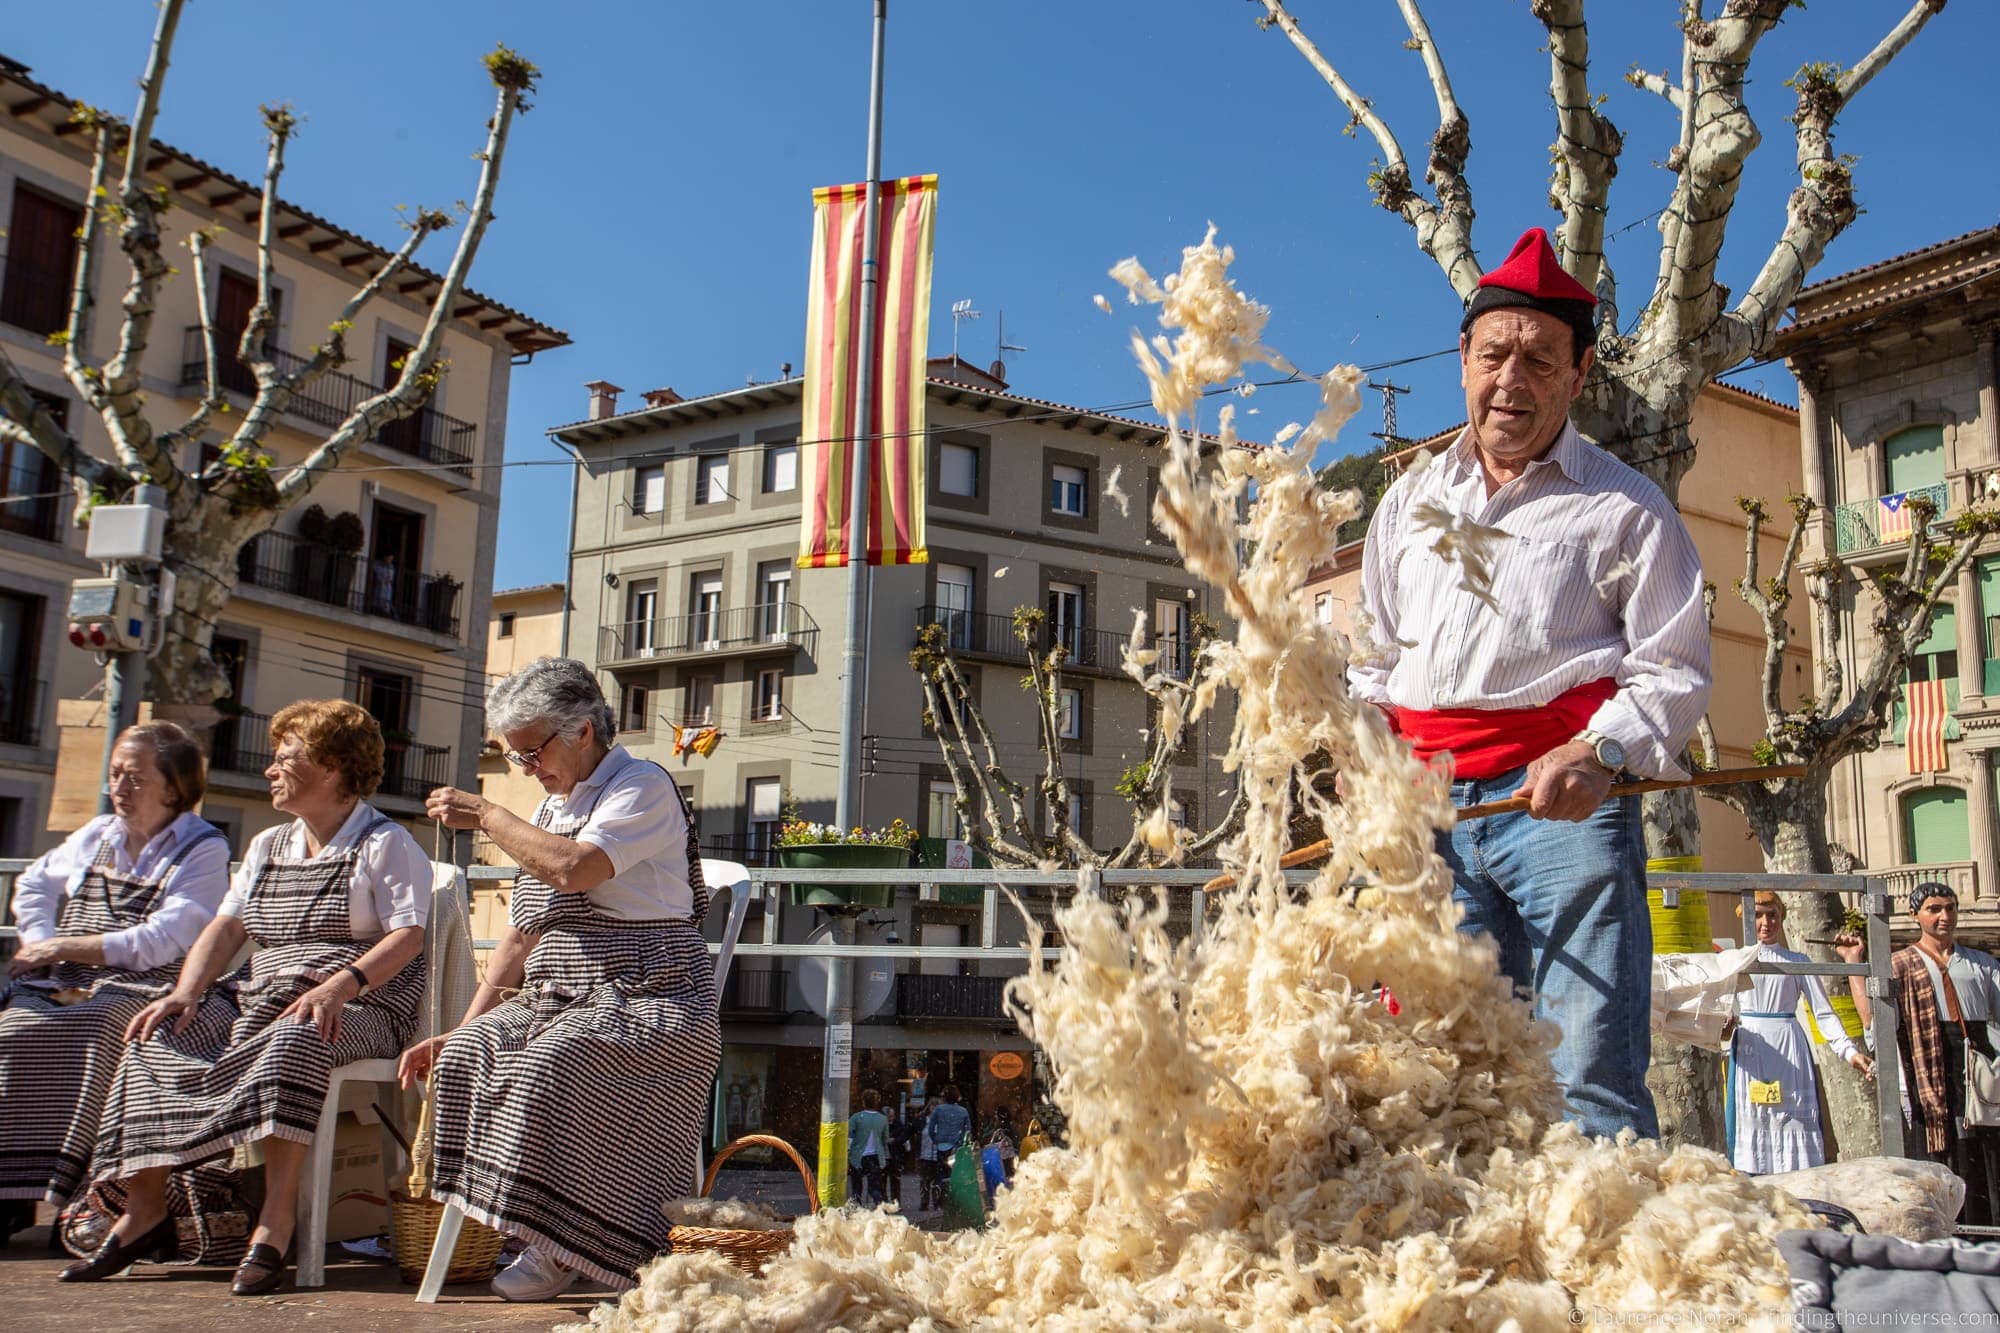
843	856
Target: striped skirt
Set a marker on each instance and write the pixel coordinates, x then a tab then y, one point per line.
57	1063
240	1074
571	1113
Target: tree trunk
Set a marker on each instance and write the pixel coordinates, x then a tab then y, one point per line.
1686	1082
1798	846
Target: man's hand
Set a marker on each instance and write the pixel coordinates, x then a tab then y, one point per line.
1850	948
454	808
321	1005
34	957
1566	783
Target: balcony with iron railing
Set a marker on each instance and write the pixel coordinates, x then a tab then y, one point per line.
920	997
754	993
413	770
744	851
241	743
329	399
975	634
282	562
1862	525
738	631
21	711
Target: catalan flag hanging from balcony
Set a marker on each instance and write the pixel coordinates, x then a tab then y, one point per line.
1892	518
1930	712
832	382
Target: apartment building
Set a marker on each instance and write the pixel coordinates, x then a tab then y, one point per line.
527	623
685	595
1747	446
1899	397
378	590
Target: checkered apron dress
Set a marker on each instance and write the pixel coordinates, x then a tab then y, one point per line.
236	1075
57	1060
569	1114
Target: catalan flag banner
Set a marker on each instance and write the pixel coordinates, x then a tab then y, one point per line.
1892	518
833	389
1923	739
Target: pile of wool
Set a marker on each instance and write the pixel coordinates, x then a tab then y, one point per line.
1255	1140
727	1214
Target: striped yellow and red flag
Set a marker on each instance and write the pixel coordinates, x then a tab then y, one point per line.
1924	735
905	224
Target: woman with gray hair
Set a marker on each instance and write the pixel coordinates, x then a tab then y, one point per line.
570	1099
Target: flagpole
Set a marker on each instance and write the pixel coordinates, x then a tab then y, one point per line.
836	1072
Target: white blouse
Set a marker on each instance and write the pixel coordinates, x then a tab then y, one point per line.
188	894
391	887
633	815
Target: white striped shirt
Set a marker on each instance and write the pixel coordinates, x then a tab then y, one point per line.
1598	578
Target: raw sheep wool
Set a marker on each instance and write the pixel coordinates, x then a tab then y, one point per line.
1254	1140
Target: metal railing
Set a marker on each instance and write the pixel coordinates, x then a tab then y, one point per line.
21	711
767	884
922	996
413	769
1857	525
776	625
759	991
1088	649
285	563
242	743
331	398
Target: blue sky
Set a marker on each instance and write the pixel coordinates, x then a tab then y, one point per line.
656	201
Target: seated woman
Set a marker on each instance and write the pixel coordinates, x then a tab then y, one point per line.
336	902
569	1112
104	919
1773	1087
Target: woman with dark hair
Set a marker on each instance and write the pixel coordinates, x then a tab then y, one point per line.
336	901
571	1097
104	919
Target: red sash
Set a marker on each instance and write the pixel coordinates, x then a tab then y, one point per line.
1485	742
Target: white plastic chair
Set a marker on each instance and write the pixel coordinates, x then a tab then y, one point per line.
448	986
717	875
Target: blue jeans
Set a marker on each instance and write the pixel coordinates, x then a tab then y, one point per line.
1567	905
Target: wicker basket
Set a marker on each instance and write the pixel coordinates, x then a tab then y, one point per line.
417	1217
748	1250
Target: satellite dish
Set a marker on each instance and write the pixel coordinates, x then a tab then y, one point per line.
874	978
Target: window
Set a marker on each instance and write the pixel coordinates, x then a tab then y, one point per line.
1069	714
649	488
405	434
774	596
705	598
1323	608
711	478
20	645
1066	617
506	624
1172	636
633	710
954	594
1177	813
941	812
765	802
781	468
1936	658
26	471
700	700
958	469
1075	820
769	697
41	261
1935	826
642	617
387	696
1066	490
1914	459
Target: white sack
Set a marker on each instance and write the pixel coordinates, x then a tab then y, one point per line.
1694	994
1892	1196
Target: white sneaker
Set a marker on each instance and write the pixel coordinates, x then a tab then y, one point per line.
534	1276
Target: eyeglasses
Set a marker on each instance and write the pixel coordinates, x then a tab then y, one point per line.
531	758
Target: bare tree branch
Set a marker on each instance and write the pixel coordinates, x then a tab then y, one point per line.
1658	83
1587	144
1443	233
211	397
1823	204
33	424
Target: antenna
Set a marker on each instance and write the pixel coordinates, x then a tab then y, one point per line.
1005	346
1388	391
960	312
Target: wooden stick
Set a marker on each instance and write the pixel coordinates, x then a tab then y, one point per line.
1721	777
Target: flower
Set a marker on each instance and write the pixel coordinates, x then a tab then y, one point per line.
798	832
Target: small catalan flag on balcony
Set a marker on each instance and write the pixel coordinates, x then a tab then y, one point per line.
1923	738
1892	517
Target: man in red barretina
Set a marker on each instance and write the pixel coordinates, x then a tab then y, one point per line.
1539	607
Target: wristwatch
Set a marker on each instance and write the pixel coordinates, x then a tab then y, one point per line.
1608	753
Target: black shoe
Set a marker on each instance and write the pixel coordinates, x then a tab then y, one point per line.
262	1270
15	1215
162	1242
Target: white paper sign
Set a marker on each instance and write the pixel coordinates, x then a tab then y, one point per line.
839	1050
